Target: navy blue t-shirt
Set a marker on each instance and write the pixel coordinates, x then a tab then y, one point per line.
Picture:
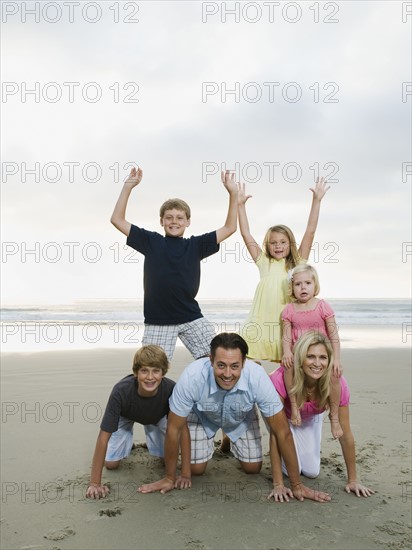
171	274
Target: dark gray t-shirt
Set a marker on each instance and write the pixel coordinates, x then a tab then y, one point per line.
125	401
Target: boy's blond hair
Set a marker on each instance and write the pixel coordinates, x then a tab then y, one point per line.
150	356
177	204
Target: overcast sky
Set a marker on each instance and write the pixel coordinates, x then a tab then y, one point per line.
278	92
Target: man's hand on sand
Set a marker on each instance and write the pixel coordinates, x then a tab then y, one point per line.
163	486
301	492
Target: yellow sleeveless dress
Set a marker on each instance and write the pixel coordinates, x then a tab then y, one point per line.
262	329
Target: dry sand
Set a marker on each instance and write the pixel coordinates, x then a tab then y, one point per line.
52	405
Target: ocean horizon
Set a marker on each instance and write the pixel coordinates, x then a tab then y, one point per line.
119	323
388	311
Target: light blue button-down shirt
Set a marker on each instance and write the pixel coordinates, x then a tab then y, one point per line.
232	410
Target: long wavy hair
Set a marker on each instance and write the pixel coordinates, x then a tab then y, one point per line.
293	258
311	338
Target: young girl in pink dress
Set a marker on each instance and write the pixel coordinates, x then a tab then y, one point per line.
303	314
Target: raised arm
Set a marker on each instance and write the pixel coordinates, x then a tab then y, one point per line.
251	245
95	489
230	226
347	443
118	218
175	425
318	193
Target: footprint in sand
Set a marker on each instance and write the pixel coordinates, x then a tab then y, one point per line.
333	463
110	512
367	454
394	528
399	533
60	534
194	544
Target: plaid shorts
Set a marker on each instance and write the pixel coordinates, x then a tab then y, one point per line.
195	335
247	448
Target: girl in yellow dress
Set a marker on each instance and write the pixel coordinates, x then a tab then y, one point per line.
278	256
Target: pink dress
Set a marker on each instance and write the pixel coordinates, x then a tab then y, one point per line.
303	321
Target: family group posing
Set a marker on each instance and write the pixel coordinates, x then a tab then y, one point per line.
225	385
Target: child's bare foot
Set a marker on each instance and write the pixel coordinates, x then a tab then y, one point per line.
225	445
295	417
335	427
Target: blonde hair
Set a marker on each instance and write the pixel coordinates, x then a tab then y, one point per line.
150	356
293	258
177	204
311	338
302	268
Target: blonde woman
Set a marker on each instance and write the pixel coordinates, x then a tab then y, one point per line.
313	363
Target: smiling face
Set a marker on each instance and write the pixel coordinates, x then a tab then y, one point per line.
149	380
303	286
227	367
316	362
174	222
278	245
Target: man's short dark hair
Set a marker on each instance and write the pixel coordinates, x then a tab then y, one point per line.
228	340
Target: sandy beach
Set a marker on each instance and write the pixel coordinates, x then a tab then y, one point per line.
52	405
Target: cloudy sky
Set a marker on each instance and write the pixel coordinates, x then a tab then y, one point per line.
278	91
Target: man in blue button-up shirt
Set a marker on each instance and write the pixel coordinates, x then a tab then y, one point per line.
222	392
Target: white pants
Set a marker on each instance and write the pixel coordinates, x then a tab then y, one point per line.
307	438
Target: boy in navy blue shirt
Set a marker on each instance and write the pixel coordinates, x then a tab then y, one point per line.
172	269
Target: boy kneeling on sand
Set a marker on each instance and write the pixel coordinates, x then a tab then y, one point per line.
141	397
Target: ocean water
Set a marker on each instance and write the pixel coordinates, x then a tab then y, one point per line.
348	312
87	325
